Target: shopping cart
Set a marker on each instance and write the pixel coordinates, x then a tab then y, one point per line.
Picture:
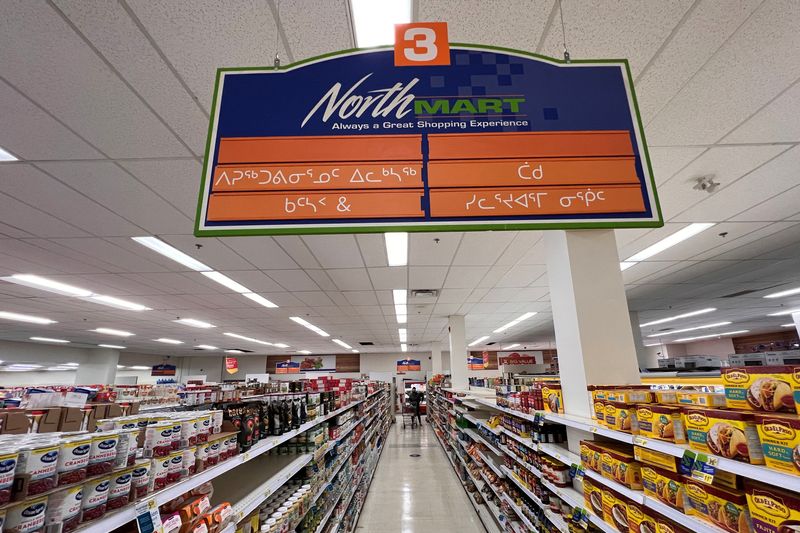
409	415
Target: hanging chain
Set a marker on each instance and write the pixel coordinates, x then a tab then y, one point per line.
277	61
563	32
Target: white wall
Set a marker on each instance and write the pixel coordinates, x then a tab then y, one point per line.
720	347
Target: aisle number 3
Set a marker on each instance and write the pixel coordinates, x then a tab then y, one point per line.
421	44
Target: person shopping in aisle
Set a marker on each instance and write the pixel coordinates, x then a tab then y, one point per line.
415	398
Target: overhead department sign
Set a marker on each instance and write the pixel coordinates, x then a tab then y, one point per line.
428	136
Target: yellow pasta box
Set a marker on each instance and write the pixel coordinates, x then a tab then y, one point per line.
663	422
780	441
762	388
553	399
729	434
724	508
665	486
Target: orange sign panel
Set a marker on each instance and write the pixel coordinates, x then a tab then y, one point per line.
337	204
512	201
327	176
314	149
420	44
526	172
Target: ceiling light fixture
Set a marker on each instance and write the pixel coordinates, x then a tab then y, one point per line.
58	368
120	367
38	282
24	366
788	325
233	351
206	347
514	322
354	350
257	298
478	340
342	344
511	346
116	332
159	246
70	364
653	344
676	238
281	345
168	341
18	317
194	323
403	334
404	347
304	352
780	313
140	367
249	339
306	324
677	317
112	346
400	297
6	156
119	303
684	330
48	339
224	280
396	248
781	294
374	21
685	339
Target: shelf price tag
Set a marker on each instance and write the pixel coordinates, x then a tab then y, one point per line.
640	441
704	468
148	519
573	470
580	473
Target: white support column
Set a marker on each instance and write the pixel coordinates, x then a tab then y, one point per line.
458	352
796	319
590	314
646	358
100	367
436	357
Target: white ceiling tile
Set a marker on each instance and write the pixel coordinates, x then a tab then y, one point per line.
627	28
465	277
361	297
293	280
43	53
314	298
176	180
706	28
774	123
322	279
255	280
350	279
522	242
388	277
432	248
482	248
186	37
494	276
335	251
780	206
373	249
668	160
262	252
743	76
426	277
211	252
101	252
18	214
453	296
329	18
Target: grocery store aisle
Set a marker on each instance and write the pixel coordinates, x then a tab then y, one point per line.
416	494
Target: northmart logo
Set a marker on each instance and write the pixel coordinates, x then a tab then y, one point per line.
399	100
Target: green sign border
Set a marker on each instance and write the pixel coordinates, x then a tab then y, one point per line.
419	227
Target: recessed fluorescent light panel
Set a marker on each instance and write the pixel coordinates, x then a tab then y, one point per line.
684	330
781	313
403	332
168	341
511	346
653	344
206	347
677	317
139	367
118	303
113	346
281	345
400	297
159	246
478	340
249	339
38	282
514	322
116	332
676	238
18	317
309	325
686	339
354	350
6	156
257	298
194	323
224	280
374	21
396	247
304	352
342	344
403	347
788	292
233	351
48	339
787	325
73	365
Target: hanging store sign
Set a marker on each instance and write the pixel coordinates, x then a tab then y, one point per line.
287	367
163	370
425	137
231	365
408	365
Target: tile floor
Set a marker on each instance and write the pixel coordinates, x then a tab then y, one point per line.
416	495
